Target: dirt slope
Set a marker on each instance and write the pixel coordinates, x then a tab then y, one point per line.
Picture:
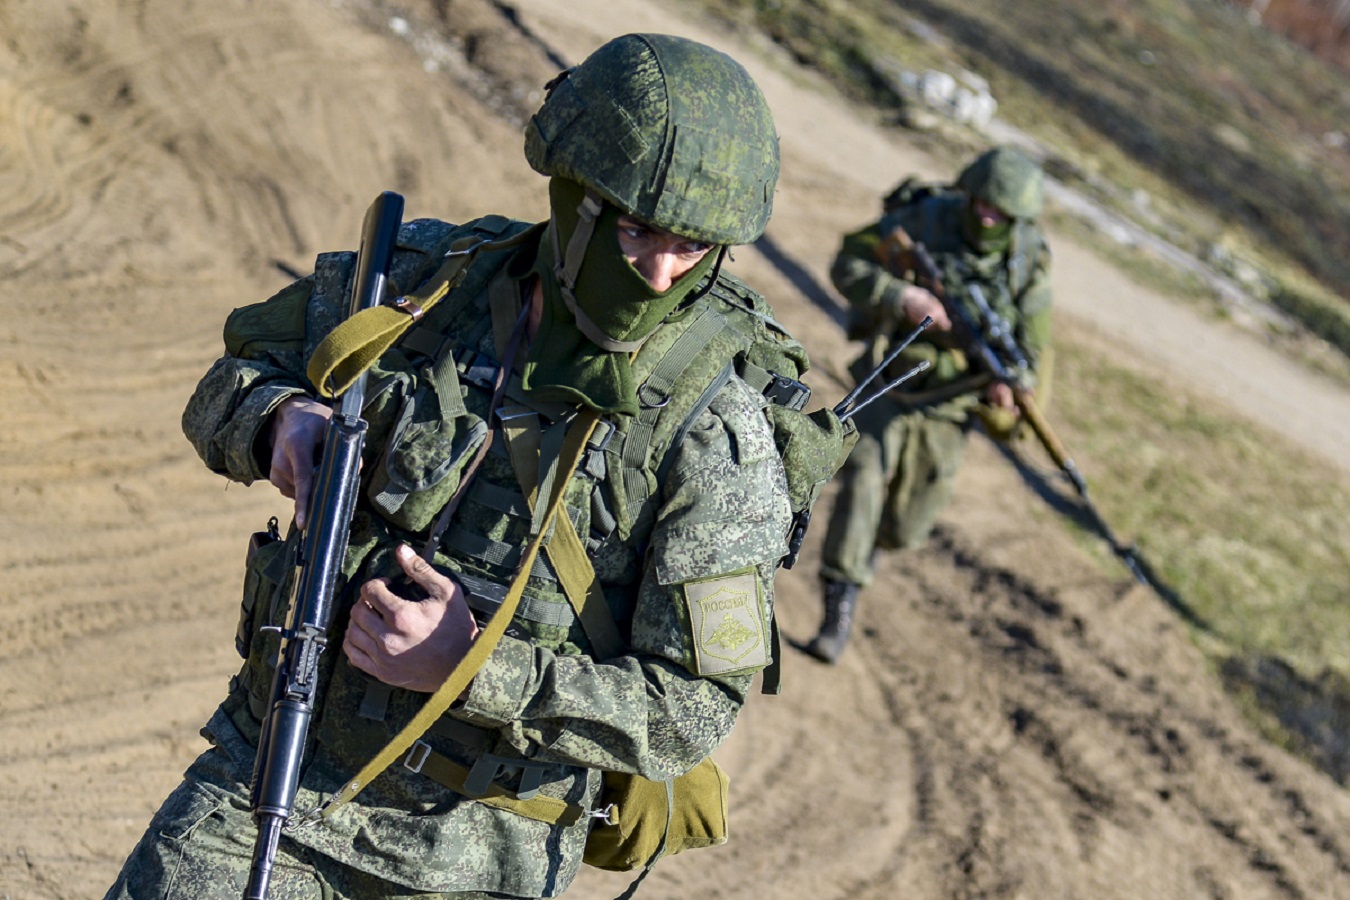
1011	723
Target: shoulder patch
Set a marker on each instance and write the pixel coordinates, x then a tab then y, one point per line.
727	620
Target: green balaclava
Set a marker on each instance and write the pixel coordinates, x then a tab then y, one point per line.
985	239
581	354
1009	179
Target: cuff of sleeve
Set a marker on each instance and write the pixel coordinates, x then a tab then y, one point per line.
496	694
891	294
254	417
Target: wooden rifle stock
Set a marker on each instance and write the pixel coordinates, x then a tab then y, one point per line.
898	246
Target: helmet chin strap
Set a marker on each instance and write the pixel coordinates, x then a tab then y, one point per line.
568	267
722	253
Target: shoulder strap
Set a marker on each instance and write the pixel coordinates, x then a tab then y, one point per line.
1023	249
655	394
361	339
526	445
574	447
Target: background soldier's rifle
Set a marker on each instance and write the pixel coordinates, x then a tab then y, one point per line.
992	343
281	743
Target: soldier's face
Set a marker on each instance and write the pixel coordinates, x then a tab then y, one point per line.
988	214
659	256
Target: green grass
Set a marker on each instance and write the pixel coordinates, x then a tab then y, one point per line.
1247	528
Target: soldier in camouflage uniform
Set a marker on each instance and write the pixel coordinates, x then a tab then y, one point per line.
662	153
900	474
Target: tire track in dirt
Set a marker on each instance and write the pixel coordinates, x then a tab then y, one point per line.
1138	733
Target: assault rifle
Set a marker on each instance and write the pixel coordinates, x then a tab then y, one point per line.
281	743
990	340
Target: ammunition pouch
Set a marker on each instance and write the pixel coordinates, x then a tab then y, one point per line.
433	440
640	820
265	569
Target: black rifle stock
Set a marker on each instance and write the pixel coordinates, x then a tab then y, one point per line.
281	743
993	344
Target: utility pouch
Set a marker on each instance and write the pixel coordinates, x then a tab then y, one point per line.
433	440
264	570
813	447
643	820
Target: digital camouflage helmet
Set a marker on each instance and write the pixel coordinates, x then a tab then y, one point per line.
668	130
1007	178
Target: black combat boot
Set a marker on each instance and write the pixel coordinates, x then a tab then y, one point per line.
841	603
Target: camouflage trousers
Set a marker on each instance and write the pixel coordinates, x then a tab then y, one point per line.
896	481
199	846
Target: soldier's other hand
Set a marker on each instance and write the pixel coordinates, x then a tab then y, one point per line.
918	303
1000	396
411	644
298	427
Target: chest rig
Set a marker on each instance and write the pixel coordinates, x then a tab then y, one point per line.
431	408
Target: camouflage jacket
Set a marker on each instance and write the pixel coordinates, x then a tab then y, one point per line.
714	523
1016	283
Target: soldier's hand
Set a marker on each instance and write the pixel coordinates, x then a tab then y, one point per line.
298	427
917	303
411	644
1000	396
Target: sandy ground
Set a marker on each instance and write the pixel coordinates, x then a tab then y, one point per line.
1012	722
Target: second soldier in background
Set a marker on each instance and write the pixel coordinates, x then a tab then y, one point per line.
981	231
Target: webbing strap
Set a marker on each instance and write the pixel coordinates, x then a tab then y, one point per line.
578	436
446	381
531	609
757	377
448	773
654	394
496	553
521	430
579	582
529	452
362	338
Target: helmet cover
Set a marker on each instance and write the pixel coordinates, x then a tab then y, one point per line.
668	130
1007	178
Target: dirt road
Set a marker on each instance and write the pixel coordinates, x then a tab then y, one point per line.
1011	724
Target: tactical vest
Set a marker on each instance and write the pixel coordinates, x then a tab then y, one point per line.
427	412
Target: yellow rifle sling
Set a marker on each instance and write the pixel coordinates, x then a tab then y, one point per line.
582	587
574	446
564	547
362	338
